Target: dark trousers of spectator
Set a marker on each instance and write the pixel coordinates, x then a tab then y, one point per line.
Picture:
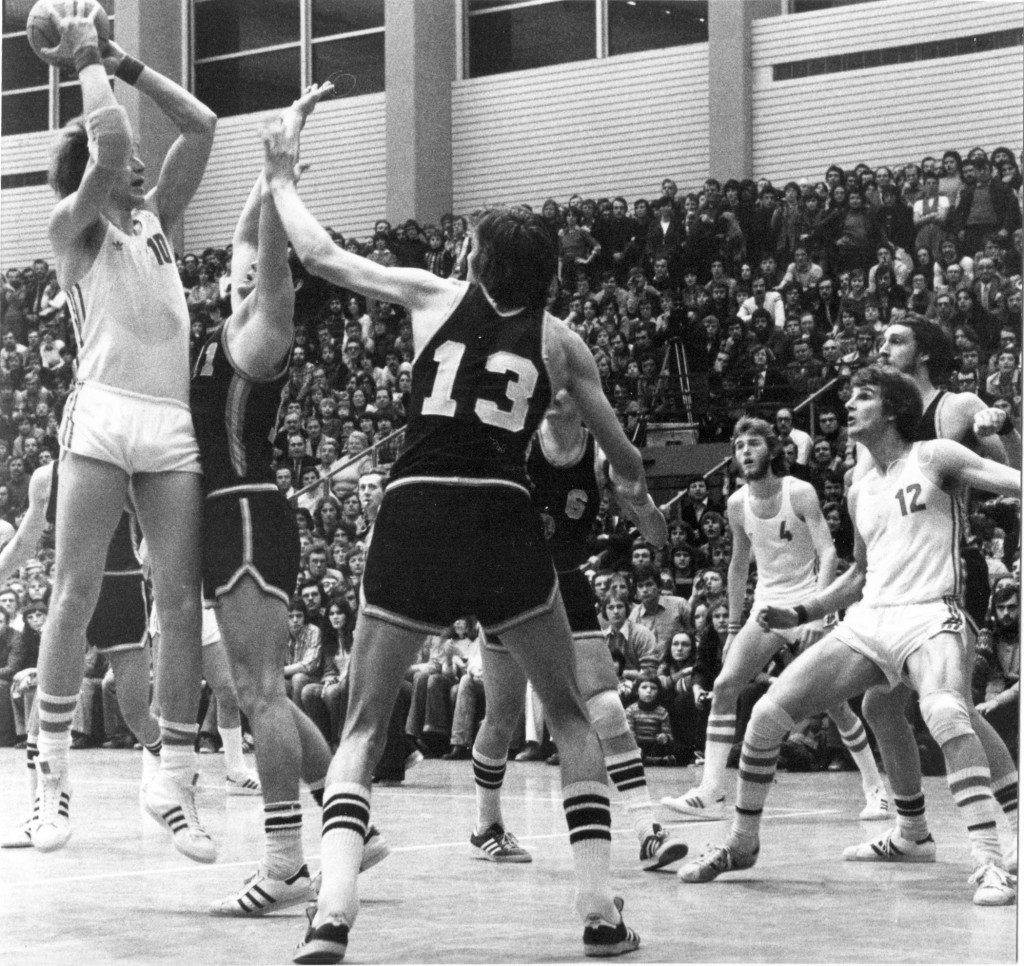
974	239
88	717
391	766
8	735
1006	722
430	711
686	727
325	705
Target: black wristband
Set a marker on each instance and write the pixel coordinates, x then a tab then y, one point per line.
85	57
129	69
1007	426
801	614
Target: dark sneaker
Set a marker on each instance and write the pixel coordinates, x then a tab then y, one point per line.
602	938
325	943
659	850
497	845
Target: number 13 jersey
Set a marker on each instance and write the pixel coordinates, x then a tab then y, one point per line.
911	528
480	388
783	550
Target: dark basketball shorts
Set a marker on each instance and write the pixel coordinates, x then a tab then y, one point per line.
442	550
595	669
578	597
249	531
121	616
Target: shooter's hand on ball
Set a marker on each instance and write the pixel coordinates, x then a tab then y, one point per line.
771	618
112	55
77	34
309	99
280	151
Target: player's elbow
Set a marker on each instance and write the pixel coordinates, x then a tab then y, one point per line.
317	256
201	123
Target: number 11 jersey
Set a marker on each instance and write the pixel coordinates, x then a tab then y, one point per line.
480	388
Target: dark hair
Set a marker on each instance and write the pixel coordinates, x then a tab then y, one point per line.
646	572
933	341
900	397
69	156
517	257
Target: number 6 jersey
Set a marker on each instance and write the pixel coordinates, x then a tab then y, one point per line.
783	550
911	528
480	388
129	314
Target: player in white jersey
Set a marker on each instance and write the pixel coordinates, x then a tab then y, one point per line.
128	419
921	350
779	519
907	628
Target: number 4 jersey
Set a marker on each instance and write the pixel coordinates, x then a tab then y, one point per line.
129	314
783	550
911	528
480	388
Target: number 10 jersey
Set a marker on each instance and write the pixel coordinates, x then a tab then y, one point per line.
480	388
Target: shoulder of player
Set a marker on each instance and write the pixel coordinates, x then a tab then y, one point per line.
960	407
803	495
737	500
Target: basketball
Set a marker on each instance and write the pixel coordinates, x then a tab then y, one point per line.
44	25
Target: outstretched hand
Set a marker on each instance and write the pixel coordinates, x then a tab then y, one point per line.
280	151
76	34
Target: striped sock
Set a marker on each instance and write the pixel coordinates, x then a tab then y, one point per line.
55	714
911	821
346	819
1005	791
316	789
489	775
626	771
721	736
856	742
31	754
282	829
972	792
768	726
154	747
588	814
178	757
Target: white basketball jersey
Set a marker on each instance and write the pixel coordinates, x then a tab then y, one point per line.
911	528
783	550
130	316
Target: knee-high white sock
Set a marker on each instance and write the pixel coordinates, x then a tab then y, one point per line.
178	759
972	793
911	821
588	814
856	742
721	735
626	771
55	714
346	819
231	739
489	775
1005	791
282	831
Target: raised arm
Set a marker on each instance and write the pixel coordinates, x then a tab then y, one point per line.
24	542
411	287
110	137
955	463
185	163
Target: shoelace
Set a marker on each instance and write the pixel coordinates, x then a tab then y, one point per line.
49	800
980	874
509	840
715	856
188	806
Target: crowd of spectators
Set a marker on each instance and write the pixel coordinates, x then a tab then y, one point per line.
701	306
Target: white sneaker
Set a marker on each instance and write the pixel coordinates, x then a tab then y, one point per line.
699	803
52	826
1009	857
996	887
244	783
173	805
262	894
890	846
375	849
877	808
19	837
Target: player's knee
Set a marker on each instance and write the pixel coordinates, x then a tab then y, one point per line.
946	715
607	715
769	721
882	714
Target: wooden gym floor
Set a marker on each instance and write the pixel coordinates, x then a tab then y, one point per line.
119	893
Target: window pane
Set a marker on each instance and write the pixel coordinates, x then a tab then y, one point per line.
23	113
21	66
70	102
655	24
555	33
363	57
229	26
341	16
258	83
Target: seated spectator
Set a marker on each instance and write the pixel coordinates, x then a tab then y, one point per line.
303	658
996	681
649	722
633	647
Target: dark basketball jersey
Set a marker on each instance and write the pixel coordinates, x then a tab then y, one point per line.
480	388
234	418
926	430
569	500
122	554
